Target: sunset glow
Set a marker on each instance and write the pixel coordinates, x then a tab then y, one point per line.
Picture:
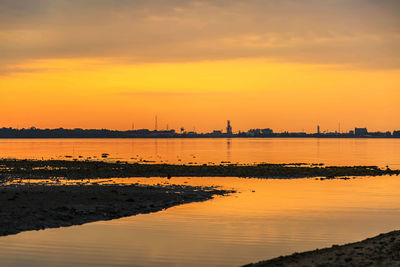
198	63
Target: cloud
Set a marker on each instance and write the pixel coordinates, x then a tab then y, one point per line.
358	33
172	93
4	70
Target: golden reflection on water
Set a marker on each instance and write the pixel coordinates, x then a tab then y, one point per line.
276	195
379	152
266	218
282	195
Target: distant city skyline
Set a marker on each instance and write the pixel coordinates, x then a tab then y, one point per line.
222	129
163	125
228	131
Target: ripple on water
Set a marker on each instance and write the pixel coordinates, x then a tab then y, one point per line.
280	217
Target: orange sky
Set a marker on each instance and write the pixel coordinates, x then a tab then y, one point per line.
284	65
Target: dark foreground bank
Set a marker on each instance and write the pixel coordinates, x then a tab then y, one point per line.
35	207
382	250
48	169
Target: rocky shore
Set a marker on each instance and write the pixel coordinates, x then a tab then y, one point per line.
382	250
47	169
39	206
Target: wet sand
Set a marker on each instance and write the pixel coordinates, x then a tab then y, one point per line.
39	206
382	250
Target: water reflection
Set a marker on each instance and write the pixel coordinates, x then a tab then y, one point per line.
156	148
228	149
379	152
267	218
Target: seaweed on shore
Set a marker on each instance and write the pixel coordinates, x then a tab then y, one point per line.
49	169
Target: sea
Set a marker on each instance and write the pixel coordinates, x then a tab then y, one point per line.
266	218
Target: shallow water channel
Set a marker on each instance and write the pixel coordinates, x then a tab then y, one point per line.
265	219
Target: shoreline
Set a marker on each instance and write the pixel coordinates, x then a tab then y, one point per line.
27	207
83	169
200	137
381	250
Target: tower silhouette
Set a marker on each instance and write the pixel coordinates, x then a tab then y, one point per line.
229	127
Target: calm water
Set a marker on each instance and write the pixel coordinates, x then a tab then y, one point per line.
280	217
380	152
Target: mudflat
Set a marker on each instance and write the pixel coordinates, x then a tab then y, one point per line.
382	250
39	206
31	169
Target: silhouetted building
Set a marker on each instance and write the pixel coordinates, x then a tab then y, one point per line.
266	131
318	130
298	134
229	127
260	132
360	132
254	132
216	133
396	133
